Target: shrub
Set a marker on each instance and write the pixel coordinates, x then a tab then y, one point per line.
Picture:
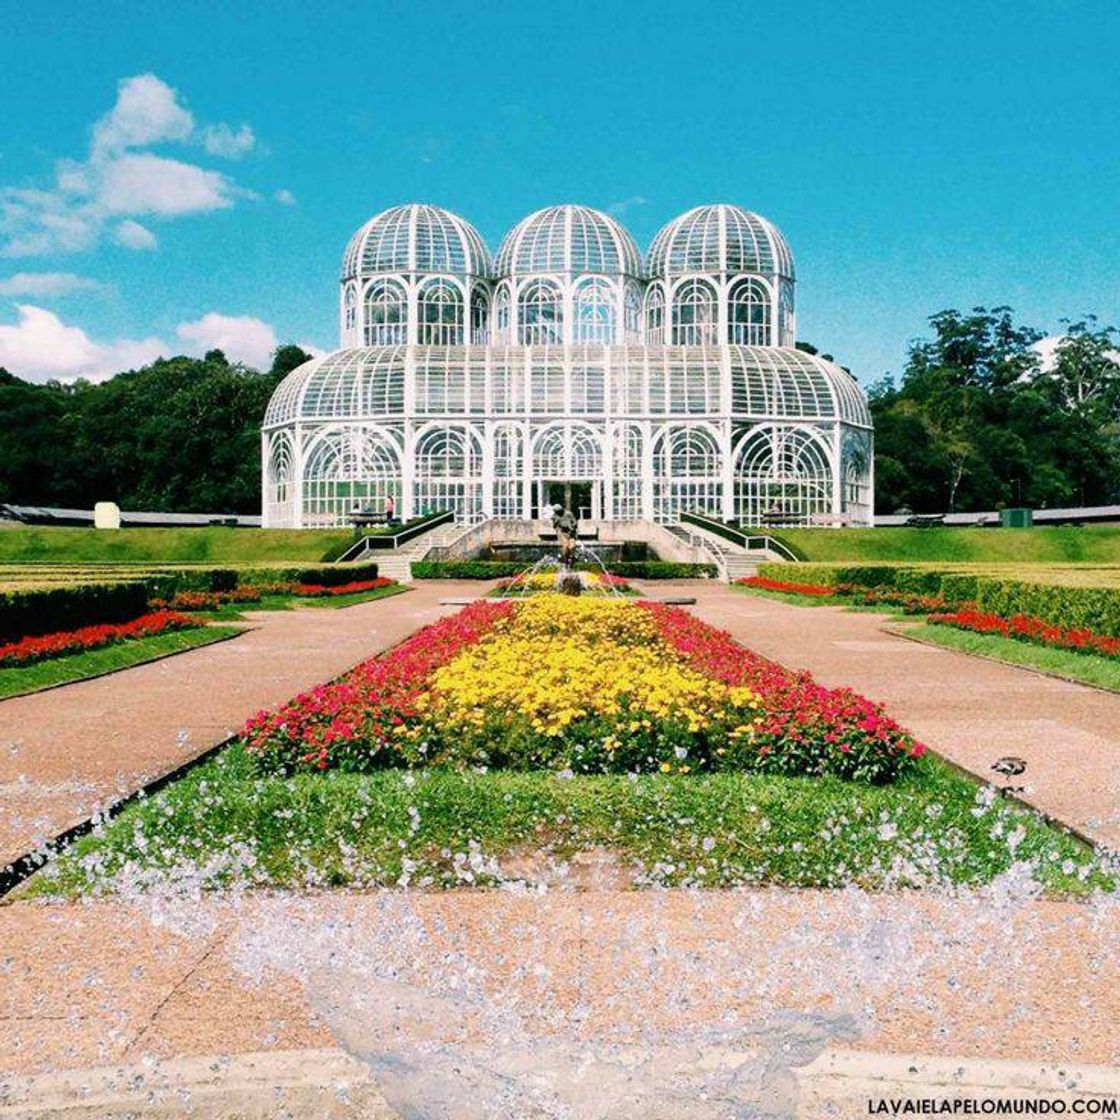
48	610
503	569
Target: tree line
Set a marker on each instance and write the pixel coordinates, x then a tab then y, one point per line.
182	435
978	420
975	421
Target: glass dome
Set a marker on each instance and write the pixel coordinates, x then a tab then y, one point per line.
416	238
568	239
723	239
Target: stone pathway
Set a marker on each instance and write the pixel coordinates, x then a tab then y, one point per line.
68	751
969	710
982	974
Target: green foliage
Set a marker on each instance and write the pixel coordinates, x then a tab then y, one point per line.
181	434
718	830
24	613
1048	595
503	569
976	424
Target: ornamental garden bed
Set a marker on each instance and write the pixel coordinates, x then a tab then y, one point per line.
948	607
561	724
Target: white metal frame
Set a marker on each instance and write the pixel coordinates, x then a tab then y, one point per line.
669	385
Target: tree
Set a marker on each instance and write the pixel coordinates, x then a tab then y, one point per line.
976	424
1086	368
182	434
287	358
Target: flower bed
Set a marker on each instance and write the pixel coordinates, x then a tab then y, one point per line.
805	727
1028	629
886	596
29	650
546	581
764	583
580	684
906	601
320	591
208	600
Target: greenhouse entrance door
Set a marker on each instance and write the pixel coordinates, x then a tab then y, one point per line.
582	497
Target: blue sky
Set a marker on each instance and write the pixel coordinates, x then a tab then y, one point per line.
174	177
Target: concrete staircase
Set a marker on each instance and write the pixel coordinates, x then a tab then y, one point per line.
397	563
733	561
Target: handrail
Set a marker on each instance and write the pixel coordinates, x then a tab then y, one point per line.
374	542
694	540
751	543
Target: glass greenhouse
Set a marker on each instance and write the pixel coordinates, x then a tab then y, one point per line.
646	388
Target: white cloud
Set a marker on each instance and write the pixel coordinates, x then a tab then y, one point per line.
147	111
147	184
132	235
41	346
285	197
221	140
619	209
240	337
44	285
118	179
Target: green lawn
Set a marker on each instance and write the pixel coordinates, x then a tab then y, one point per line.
1090	544
1104	672
223	823
79	666
209	544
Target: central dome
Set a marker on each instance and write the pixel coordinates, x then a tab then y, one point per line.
723	238
568	239
416	238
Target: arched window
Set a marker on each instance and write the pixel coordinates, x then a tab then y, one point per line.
386	314
344	469
655	315
441	314
594	312
686	473
449	473
350	310
783	476
480	316
501	314
540	314
632	313
749	314
694	314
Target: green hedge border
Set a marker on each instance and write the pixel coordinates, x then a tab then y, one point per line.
1092	608
47	610
503	569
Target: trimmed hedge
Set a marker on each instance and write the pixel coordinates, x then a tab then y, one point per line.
503	569
1074	607
25	614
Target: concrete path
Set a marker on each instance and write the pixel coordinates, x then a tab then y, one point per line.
968	709
68	751
979	975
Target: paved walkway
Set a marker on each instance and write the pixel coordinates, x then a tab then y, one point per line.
68	751
984	974
968	709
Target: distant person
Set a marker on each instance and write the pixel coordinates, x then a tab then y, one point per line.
390	510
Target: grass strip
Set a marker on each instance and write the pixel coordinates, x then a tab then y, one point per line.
223	823
97	662
1086	668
